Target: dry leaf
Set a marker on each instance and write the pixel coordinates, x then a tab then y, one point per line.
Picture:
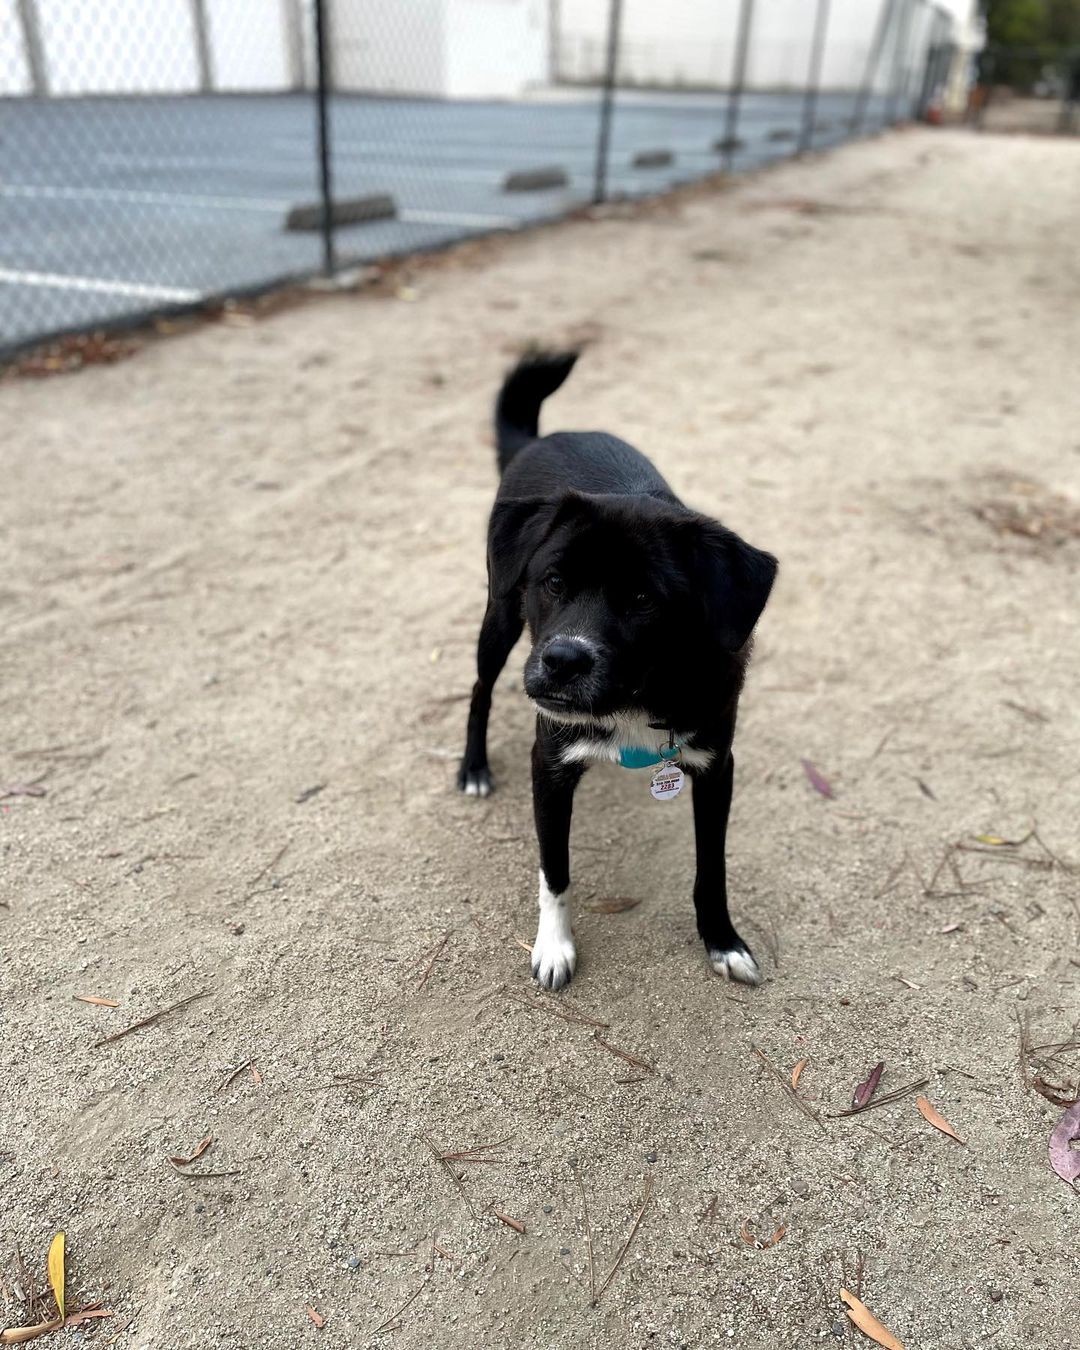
78	1318
866	1090
203	1146
936	1119
56	1272
1057	1093
615	904
256	1076
20	1335
796	1072
951	928
865	1320
1064	1159
97	1002
760	1244
317	1318
993	839
817	780
515	1224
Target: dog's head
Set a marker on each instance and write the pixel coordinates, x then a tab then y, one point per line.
631	602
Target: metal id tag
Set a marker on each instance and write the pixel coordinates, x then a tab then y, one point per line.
667	782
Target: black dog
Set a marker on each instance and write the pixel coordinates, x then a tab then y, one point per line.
640	612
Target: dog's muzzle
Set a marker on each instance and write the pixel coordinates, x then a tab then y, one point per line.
558	676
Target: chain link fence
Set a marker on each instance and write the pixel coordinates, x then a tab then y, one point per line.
162	155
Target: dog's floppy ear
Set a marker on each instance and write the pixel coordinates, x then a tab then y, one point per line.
518	527
736	581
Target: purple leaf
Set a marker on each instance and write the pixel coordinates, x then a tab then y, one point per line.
1063	1159
866	1090
22	790
817	780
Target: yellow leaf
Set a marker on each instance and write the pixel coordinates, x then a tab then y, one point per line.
865	1320
994	839
56	1271
936	1119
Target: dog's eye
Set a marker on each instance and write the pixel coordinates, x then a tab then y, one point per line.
554	584
641	601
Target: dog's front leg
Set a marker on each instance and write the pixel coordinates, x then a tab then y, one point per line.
728	953
553	953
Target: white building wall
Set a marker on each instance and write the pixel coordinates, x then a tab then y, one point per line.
495	48
14	71
118	46
692	42
249	44
391	48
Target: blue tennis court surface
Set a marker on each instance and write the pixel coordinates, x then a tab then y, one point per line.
111	207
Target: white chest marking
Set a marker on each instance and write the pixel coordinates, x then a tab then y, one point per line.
623	729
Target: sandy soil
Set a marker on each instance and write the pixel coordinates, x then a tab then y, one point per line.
248	564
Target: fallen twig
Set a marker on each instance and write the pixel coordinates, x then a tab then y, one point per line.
588	1237
437	1153
626	1245
394	1316
789	1091
434	957
635	1060
235	1075
880	1101
567	1014
149	1021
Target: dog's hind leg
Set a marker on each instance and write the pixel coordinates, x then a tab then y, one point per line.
728	953
500	630
553	953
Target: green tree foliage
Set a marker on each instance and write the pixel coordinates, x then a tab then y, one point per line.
1048	24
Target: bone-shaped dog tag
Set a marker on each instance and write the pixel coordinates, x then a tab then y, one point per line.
667	782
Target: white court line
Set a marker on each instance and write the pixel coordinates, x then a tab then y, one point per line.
98	284
44	192
49	192
412	217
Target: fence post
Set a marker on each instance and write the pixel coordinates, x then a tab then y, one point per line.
201	26
36	63
873	60
293	23
738	81
322	89
899	53
607	99
813	77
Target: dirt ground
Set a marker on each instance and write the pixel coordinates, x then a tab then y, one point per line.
242	576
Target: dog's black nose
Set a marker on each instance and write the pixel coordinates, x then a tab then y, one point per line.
565	657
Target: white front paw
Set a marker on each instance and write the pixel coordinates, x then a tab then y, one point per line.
553	952
736	964
553	957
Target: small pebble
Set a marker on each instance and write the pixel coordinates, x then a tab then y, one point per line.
354	1263
498	1056
996	1295
800	1186
650	1157
564	1251
549	1208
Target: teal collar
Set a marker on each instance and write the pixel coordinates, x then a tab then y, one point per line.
641	757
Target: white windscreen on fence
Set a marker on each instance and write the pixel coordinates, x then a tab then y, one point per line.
691	43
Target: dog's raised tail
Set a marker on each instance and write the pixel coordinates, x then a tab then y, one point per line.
517	410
